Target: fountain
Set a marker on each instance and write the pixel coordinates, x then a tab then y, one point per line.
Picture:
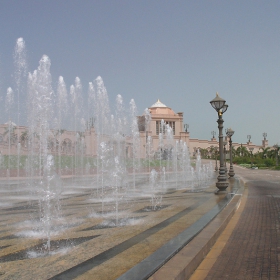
65	152
156	198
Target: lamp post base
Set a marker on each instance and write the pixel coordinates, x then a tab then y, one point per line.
221	192
222	186
231	173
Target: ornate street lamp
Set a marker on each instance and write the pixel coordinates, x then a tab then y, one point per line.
225	155
186	126
220	106
229	133
213	134
249	138
251	150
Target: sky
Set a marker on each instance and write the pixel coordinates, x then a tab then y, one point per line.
181	52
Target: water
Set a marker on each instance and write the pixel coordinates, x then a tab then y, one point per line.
10	125
70	145
50	189
154	187
149	151
135	139
62	107
20	63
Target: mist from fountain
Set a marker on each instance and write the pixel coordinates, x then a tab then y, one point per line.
10	125
135	139
42	178
112	170
20	63
156	191
62	108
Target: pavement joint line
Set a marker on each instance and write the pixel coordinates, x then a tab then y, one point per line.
89	264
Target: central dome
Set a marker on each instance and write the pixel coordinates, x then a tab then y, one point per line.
158	104
160	109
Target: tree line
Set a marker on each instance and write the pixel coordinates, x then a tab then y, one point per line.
263	158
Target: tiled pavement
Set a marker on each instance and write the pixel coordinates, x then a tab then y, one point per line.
249	247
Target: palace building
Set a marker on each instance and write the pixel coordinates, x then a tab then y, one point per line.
159	128
160	113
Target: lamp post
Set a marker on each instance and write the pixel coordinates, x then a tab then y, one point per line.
213	134
216	154
225	155
249	138
251	150
186	126
229	133
220	106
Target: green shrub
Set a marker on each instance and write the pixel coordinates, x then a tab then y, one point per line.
269	162
255	161
240	160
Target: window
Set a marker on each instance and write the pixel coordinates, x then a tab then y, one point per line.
161	128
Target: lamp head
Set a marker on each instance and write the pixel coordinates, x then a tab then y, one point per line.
229	132
223	110
218	103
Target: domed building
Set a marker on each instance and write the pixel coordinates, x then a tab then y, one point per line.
158	121
159	124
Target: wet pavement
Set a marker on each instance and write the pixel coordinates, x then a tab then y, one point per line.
87	244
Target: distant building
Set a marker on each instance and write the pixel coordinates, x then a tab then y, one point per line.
160	113
159	127
162	122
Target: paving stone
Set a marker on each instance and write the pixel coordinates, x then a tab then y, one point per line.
252	250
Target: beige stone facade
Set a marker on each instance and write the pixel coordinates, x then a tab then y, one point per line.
159	121
159	111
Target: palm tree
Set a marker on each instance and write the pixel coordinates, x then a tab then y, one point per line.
24	138
213	152
242	152
265	152
234	152
271	153
204	153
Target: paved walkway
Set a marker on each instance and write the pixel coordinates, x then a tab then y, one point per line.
249	247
